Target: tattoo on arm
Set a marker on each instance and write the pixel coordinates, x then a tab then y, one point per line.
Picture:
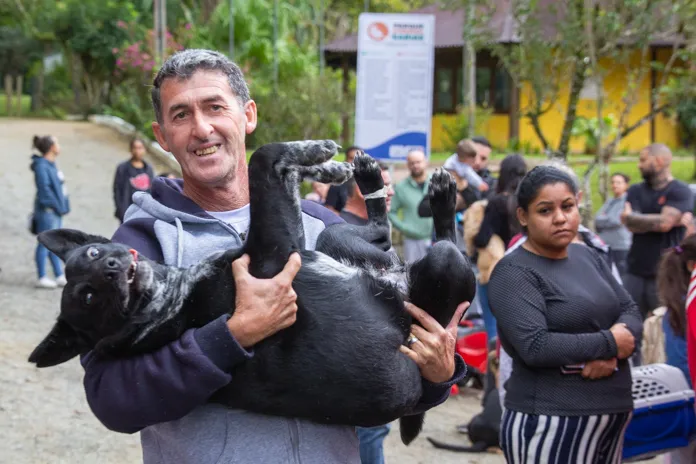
663	222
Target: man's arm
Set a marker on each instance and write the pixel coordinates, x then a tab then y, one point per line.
638	223
129	394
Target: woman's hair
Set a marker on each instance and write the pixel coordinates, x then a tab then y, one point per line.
673	281
538	178
512	170
134	140
43	144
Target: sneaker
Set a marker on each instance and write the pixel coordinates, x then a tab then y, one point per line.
45	282
61	281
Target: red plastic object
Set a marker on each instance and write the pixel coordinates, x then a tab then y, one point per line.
474	349
454	390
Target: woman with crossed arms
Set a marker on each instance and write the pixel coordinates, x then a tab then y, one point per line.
569	328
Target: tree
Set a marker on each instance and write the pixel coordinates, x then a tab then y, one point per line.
624	34
582	40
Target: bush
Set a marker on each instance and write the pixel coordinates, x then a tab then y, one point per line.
307	107
459	129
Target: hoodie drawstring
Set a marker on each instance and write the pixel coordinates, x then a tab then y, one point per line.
179	242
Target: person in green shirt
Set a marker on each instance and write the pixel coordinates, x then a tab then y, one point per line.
417	230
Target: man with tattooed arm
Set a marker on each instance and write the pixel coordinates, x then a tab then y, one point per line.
656	211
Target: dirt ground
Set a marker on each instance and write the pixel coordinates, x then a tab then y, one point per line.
44	417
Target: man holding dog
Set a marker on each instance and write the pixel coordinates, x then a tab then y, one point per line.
204	112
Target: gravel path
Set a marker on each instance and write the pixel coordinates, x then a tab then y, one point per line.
44	417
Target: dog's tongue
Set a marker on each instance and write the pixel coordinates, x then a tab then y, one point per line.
134	253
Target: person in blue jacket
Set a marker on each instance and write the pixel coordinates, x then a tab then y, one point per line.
50	205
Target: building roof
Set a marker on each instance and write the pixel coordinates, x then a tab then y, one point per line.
449	26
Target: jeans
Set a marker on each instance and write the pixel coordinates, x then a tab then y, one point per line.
488	318
372	443
47	220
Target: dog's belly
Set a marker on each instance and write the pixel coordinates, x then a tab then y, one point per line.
340	362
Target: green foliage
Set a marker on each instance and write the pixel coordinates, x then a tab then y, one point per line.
686	114
590	130
459	128
304	107
17	51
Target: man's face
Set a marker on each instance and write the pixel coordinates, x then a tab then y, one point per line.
648	166
484	154
388	184
350	155
204	127
416	163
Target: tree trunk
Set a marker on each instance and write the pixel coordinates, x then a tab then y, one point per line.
534	119
587	213
604	176
8	94
575	88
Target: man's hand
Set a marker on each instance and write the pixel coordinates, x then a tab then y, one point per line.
625	342
687	220
599	368
433	352
483	187
263	306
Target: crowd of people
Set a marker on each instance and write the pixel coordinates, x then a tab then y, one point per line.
567	336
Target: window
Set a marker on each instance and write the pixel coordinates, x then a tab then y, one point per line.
444	90
493	87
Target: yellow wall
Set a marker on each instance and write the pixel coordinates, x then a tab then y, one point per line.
615	82
496	130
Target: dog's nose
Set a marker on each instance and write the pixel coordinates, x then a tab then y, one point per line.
111	263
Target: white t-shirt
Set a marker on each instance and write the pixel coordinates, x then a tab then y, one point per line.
239	219
463	170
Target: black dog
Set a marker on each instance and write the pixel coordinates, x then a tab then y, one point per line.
339	363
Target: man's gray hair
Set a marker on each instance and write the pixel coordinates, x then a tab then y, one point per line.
182	65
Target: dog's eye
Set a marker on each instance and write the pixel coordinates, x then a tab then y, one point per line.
87	299
92	252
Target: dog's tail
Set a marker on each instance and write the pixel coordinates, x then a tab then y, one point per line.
478	447
410	427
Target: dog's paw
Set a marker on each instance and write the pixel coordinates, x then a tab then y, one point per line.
330	172
442	193
309	152
367	173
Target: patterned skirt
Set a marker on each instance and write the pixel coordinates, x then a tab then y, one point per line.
535	439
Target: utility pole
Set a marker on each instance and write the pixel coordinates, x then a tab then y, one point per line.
469	69
275	46
232	30
321	37
160	14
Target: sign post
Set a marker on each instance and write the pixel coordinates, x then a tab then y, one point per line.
394	96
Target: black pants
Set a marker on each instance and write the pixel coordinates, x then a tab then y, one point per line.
619	258
643	290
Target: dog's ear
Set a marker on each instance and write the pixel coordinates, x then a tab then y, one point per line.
63	241
60	345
